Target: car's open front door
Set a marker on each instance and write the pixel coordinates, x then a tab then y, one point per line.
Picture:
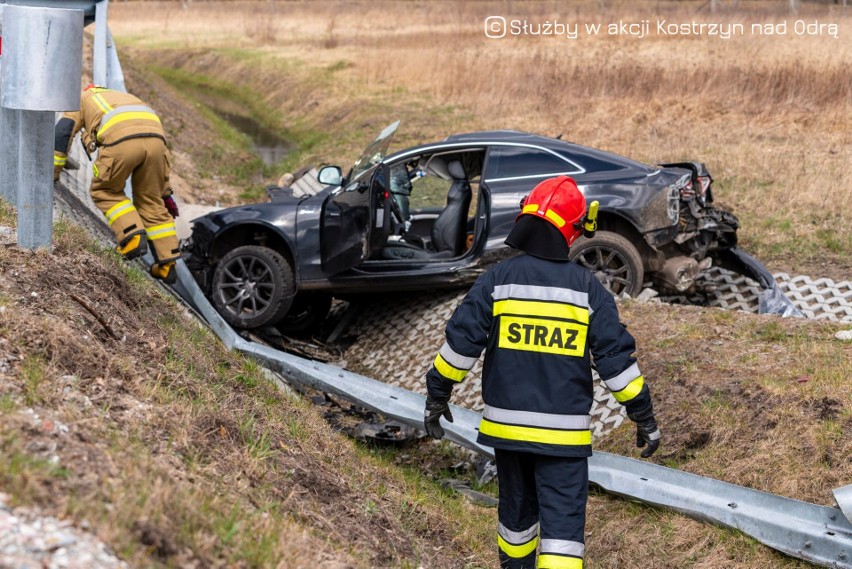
350	215
345	228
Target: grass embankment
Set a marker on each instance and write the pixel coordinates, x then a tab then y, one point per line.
770	115
177	453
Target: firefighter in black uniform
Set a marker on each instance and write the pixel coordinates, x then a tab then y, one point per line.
541	319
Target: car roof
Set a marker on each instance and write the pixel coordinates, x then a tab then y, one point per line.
501	136
487	137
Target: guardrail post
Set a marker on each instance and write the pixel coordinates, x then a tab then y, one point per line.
8	140
41	71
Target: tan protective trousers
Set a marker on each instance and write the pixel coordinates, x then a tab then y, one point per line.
147	161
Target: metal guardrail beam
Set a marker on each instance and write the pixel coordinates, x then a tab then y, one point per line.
818	534
843	497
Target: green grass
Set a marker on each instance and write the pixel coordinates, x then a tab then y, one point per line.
8	215
32	373
21	473
8	403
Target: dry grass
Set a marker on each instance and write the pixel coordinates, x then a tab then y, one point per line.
178	453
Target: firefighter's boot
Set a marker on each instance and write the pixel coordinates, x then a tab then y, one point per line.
133	246
166	272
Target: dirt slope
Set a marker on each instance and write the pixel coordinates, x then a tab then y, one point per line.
173	451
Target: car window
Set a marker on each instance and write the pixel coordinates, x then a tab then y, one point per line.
429	191
519	161
591	164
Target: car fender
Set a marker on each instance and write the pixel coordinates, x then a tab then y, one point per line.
237	229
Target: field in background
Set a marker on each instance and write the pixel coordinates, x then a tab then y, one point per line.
770	115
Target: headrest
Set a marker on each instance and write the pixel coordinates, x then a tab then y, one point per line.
456	170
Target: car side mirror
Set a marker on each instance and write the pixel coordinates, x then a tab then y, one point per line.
330	176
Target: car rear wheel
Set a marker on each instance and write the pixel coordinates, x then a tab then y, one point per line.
306	314
614	260
253	286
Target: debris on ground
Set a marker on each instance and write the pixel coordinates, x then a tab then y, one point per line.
648	295
844	335
475	497
389	433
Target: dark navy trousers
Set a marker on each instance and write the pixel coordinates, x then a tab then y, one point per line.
542	506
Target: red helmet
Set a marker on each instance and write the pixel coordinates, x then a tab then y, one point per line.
559	201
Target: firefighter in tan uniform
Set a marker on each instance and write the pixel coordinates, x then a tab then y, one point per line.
130	142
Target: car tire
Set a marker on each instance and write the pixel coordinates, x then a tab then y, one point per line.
613	259
253	286
306	314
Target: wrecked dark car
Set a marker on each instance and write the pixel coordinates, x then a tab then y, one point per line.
436	215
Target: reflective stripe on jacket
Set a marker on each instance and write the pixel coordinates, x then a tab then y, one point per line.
541	322
108	118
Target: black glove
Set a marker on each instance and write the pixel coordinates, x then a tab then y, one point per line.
171	206
647	432
435	408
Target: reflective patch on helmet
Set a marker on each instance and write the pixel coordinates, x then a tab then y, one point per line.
555	218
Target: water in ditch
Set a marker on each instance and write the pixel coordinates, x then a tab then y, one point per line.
265	143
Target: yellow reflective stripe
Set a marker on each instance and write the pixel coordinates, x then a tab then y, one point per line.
517	551
554	217
60	160
632	390
447	370
549	214
542	336
101	102
116	206
559	562
543	309
121	117
119	209
160	231
535	435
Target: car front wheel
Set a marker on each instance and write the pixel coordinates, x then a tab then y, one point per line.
253	286
614	260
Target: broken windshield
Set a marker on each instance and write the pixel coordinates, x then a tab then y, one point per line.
374	153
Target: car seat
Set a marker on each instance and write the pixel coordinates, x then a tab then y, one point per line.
449	231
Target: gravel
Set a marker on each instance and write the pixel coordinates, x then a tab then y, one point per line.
28	540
